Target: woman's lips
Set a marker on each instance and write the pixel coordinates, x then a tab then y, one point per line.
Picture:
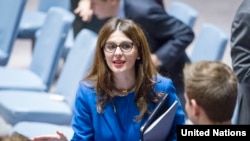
118	63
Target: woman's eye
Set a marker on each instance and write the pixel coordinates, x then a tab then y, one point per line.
112	46
125	46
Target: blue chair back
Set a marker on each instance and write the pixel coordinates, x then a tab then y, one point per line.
33	20
49	46
10	15
56	107
183	12
77	65
45	5
210	44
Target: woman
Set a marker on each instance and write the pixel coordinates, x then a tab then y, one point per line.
122	88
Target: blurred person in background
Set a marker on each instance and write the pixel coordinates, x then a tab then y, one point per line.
240	53
85	17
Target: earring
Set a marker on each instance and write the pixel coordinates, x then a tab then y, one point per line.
138	58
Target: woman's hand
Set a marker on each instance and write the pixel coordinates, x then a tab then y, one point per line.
57	137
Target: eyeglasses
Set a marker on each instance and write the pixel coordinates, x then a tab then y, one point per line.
124	47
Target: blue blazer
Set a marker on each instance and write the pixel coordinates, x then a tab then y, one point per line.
117	122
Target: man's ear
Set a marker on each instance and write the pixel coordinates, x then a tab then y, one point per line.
195	107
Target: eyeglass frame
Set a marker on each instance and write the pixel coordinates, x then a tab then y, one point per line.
131	43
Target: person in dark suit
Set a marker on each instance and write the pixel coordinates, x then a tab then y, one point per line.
168	37
85	17
240	53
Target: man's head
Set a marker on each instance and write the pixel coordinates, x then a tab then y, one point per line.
105	8
210	92
14	137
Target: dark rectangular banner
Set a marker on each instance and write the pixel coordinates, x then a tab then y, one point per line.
215	132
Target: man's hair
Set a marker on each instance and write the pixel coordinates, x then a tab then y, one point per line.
213	85
14	137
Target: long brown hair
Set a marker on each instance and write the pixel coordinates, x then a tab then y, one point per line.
101	76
